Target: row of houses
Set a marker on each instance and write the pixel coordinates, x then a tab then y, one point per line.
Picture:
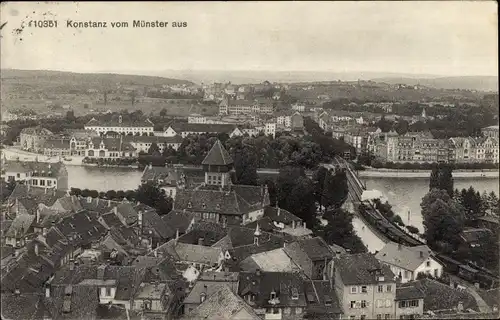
422	147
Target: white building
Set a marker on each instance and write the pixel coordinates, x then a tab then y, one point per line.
270	129
120	125
197	118
37	174
299	107
408	262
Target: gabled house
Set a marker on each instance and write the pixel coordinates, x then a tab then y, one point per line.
312	255
168	178
409	302
21	226
322	300
273	295
366	289
407	262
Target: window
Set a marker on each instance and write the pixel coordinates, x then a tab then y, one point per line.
269	310
363	289
42	182
352	317
298	310
379	316
380	303
286	310
18	175
108	292
353	304
436	273
276	310
388	303
363	303
363	317
389	288
35	182
273	295
428	264
407	274
387	316
49	183
380	289
354	289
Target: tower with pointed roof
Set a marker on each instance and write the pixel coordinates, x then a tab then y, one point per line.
217	166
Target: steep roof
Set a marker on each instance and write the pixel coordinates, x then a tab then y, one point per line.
357	269
39	169
198	254
178	220
316	248
439	296
217	156
20	225
407	291
274	261
408	258
22	307
324	301
223	304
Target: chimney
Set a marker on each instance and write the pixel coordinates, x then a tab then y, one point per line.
47	292
38	214
109	203
200	241
71	264
278	211
17	291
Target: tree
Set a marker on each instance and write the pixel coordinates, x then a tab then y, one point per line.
296	194
412	229
443	219
70	116
319	183
434	179
111	194
446	179
153	148
245	165
340	231
384	124
163	112
335	189
401	127
493	204
150	194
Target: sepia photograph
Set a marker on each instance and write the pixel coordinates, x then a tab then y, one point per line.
249	160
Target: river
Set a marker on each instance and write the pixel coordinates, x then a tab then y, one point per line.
404	194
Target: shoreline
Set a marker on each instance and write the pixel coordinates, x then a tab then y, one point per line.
398	173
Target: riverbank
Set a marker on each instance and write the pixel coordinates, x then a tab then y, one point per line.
397	173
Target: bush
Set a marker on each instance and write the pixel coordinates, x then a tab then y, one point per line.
397	219
412	229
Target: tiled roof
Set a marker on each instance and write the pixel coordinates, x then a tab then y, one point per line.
203	287
209	232
112	144
223	304
155	139
273	261
316	248
360	269
110	220
325	299
408	258
127	211
284	284
114	122
280	215
236	201
265	224
80	304
22	307
198	254
128	279
178	220
408	291
64	275
39	169
167	175
239	254
217	156
20	225
202	127
152	220
70	203
439	296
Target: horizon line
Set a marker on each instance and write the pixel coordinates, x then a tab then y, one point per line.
142	72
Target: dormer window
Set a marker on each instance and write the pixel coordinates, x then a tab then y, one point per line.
217	206
273	295
204	206
189	204
295	294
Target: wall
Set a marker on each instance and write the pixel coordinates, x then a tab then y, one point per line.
433	265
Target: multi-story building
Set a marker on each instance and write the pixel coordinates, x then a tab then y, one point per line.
217	199
486	149
143	143
366	289
407	262
110	148
462	149
122	126
270	129
197	118
409	302
56	147
185	129
299	107
284	119
491	131
33	139
36	174
230	106
297	122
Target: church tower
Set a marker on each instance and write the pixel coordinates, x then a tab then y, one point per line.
217	166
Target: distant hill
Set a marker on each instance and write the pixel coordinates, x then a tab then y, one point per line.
70	78
481	83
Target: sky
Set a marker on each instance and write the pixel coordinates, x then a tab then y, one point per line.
446	38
